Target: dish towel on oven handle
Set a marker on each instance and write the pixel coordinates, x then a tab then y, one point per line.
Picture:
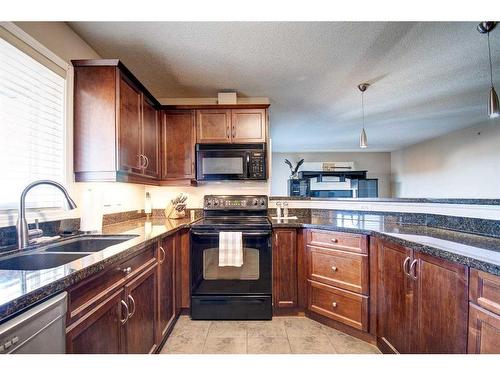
230	249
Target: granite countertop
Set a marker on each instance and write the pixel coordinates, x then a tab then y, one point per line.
471	201
20	289
481	252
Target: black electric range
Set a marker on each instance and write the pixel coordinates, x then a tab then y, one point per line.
232	292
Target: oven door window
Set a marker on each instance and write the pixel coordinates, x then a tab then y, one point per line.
222	165
248	271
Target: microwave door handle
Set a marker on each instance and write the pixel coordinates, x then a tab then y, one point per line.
248	165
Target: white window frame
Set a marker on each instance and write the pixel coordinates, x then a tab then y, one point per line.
8	217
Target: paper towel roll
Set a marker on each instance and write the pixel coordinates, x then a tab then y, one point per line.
91	211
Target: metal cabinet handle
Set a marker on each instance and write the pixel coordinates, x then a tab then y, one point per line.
164	255
127	270
334	304
147	161
227	132
234	132
124	304
405	266
133	306
334	268
140	160
413	266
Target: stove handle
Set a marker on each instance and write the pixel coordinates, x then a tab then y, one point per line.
245	234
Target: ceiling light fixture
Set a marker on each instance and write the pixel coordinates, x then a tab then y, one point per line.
493	108
363	141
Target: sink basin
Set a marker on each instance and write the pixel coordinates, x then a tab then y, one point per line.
39	261
87	244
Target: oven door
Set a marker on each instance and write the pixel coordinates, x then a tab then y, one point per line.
253	277
222	165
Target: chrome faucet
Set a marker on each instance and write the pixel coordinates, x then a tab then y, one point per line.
23	233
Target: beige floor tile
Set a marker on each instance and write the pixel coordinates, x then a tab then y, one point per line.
268	345
227	329
225	345
188	328
301	327
346	344
183	345
311	345
271	328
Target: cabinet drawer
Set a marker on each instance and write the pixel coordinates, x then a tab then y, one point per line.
340	305
356	243
85	295
338	268
484	290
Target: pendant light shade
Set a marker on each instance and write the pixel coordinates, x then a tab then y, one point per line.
493	110
363	140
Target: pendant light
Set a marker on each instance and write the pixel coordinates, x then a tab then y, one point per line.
493	108
363	140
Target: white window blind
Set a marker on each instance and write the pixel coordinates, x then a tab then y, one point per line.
31	128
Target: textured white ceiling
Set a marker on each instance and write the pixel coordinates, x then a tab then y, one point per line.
428	78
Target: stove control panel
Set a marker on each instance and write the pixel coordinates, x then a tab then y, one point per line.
235	202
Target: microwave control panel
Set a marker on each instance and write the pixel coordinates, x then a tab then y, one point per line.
257	165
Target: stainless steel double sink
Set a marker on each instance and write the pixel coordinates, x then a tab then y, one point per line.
61	253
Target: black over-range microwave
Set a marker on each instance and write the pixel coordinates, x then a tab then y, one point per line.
216	162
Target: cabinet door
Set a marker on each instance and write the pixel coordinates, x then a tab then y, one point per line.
441	298
150	139
213	126
178	138
484	331
178	273
394	297
100	331
248	125
129	132
284	269
166	282
141	297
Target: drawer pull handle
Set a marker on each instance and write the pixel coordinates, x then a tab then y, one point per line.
334	268
127	270
124	304
334	304
131	299
164	255
334	240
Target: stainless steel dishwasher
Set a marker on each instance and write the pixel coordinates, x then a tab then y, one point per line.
39	330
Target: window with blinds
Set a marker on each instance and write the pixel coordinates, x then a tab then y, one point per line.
31	128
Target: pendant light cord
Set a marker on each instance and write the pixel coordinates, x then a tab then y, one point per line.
363	107
491	67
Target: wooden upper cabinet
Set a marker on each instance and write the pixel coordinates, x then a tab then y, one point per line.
129	132
213	126
178	138
284	269
248	125
231	125
116	129
150	139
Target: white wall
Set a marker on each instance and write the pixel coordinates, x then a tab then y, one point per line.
461	164
378	165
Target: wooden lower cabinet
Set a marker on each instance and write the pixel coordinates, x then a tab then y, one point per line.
484	331
422	302
284	269
100	331
166	286
140	329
